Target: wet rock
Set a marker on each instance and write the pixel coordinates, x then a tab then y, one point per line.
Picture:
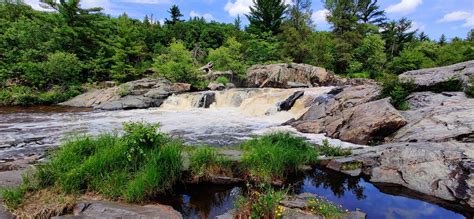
431	78
206	100
131	102
103	209
438	118
290	101
230	86
279	75
215	86
157	93
93	98
292	84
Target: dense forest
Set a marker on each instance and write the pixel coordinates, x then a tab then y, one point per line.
48	56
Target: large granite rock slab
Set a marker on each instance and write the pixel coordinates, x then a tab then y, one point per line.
426	79
438	118
352	115
286	75
143	93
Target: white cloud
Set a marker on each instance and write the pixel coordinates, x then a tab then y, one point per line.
241	7
404	6
465	16
206	16
320	17
35	4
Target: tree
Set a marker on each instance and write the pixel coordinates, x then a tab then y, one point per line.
297	30
442	40
262	49
63	68
423	37
396	34
369	12
229	57
175	15
266	16
237	23
370	55
176	64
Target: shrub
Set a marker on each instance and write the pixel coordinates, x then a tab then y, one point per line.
398	91
124	90
223	80
470	88
229	57
176	64
333	151
25	96
264	204
63	68
325	208
276	155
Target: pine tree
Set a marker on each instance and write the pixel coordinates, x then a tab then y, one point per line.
266	16
396	34
369	12
442	40
423	37
237	22
175	15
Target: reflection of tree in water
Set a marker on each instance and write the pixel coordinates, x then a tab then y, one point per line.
337	182
203	200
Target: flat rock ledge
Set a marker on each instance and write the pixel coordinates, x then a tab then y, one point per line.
104	209
143	93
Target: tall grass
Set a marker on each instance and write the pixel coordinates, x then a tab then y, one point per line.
276	155
140	163
206	161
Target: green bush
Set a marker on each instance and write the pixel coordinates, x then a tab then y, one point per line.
223	80
470	88
276	155
26	96
260	203
398	91
110	165
63	68
229	57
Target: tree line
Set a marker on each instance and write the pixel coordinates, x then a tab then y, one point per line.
55	51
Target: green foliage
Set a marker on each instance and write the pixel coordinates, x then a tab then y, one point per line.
262	49
13	197
62	68
470	88
398	91
369	56
176	64
409	60
223	80
110	165
229	57
276	155
25	96
124	90
325	208
266	16
332	151
260	203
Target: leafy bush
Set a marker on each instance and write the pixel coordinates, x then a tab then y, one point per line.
25	96
124	90
63	68
229	57
176	64
398	91
276	155
470	88
223	80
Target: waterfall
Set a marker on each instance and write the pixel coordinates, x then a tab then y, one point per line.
251	101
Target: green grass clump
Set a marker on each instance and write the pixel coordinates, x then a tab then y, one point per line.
139	164
206	161
332	151
325	208
276	155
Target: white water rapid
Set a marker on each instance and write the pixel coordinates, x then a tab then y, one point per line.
233	116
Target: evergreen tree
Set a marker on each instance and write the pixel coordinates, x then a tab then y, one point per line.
423	37
266	16
396	34
369	12
237	22
175	15
442	40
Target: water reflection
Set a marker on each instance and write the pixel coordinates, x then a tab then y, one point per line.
202	201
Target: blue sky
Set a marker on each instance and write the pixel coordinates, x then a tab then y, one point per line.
434	17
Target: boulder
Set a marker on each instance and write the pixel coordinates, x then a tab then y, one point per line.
438	118
143	93
351	115
215	86
104	209
288	75
288	103
433	78
206	100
